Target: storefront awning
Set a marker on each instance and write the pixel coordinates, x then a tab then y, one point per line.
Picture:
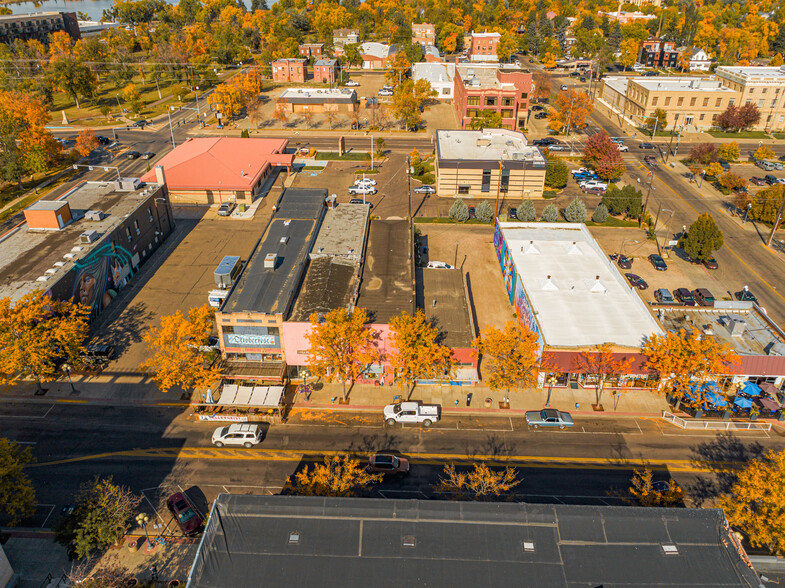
259	396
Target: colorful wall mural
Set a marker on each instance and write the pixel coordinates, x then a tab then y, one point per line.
100	276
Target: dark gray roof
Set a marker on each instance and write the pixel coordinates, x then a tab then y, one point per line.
301	203
348	542
330	283
387	286
451	312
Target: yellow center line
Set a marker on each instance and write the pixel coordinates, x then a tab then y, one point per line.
529	461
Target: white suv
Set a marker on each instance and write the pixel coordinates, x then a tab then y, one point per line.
239	435
354	190
594	184
365	182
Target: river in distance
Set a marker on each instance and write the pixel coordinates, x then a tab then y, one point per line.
92	8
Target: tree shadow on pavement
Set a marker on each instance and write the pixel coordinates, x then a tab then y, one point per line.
122	333
721	456
492	445
374	443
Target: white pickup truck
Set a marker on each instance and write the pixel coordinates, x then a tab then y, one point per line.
411	412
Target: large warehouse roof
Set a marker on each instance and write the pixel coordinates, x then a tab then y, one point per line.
577	295
348	542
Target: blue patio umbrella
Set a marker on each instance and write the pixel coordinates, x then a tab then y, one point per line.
715	399
751	388
742	402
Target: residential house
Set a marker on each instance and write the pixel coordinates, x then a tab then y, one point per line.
627	17
375	55
424	34
658	53
343	37
325	71
314	50
699	60
484	86
290	70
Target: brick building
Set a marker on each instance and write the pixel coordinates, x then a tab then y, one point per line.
483	46
658	53
424	34
325	71
481	87
314	50
37	26
290	70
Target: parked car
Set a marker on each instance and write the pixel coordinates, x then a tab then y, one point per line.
388	464
623	148
662	296
512	213
438	265
652	73
684	296
132	154
711	263
724	165
365	182
594	191
148	155
563	87
765	165
647	146
777	165
581	170
545	141
658	262
770	179
384	92
411	412
226	209
237	435
360	201
141	123
757	181
184	513
425	190
352	83
636	281
624	262
541	115
362	190
97	354
558	148
536	108
593	184
745	294
650	160
583	79
548	417
703	297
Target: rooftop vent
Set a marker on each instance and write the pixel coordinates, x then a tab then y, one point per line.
776	349
735	324
530	248
597	286
42	278
548	285
409	541
707	329
527	546
670	550
88	236
574	249
286	223
94	215
294	537
284	240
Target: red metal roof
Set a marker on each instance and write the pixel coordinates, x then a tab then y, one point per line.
220	163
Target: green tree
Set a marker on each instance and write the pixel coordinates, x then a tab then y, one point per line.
459	211
380	145
486	119
74	78
17	495
550	214
556	173
659	118
101	517
351	54
702	239
600	214
527	212
575	211
484	212
627	201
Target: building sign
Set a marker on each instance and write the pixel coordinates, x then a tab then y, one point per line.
237	340
237	418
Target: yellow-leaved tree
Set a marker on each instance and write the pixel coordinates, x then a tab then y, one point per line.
602	363
86	142
36	334
515	355
755	502
337	476
479	483
175	359
17	495
764	152
685	358
341	346
646	492
416	350
571	109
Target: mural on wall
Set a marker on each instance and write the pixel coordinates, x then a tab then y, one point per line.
100	276
505	261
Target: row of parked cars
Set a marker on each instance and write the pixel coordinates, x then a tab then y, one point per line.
589	182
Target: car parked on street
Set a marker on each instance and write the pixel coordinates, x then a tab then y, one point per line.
185	514
636	281
226	209
662	296
647	146
541	115
757	181
238	435
132	154
745	294
658	262
425	190
412	412
624	262
351	83
558	148
684	296
548	417
388	464
545	141
711	263
703	297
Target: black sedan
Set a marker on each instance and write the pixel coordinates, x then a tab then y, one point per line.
636	281
684	296
658	262
132	154
540	115
647	146
746	294
624	262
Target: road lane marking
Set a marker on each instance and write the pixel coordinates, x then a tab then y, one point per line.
528	461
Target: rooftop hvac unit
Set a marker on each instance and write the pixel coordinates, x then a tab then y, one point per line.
94	215
735	324
90	236
775	348
270	260
127	184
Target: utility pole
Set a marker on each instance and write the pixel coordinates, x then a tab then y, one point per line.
776	223
646	202
409	185
499	189
670	145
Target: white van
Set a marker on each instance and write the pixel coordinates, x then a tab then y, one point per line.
238	435
438	265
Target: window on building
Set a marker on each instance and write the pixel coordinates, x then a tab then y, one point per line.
150	213
752	90
782	117
760	103
524	95
705	102
731	101
692	101
764	90
490	101
675	118
445	91
507	113
229	329
463	189
713	117
768	119
486	180
136	226
471	112
128	232
473	101
507	101
667	100
505	183
654	101
680	101
718	103
774	103
702	116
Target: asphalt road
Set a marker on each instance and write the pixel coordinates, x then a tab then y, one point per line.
147	447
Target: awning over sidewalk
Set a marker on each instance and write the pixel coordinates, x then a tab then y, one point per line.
264	396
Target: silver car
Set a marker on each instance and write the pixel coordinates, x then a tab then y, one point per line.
548	417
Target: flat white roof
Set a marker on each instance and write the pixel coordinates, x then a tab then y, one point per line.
669	84
486	145
317	93
485	34
578	296
753	72
434	72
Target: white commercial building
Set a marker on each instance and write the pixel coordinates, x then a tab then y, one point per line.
441	76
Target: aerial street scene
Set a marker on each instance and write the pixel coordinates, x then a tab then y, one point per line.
349	293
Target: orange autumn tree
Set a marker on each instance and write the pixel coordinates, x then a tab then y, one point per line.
86	142
570	108
416	350
686	357
515	353
175	359
341	345
602	363
36	334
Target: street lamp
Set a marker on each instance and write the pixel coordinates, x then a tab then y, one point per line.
551	384
67	369
747	212
142	520
118	100
171	130
621	249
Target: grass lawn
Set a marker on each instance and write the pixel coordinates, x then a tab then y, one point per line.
438	220
739	135
778	135
351	156
613	222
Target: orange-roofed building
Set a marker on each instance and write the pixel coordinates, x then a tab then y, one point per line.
222	169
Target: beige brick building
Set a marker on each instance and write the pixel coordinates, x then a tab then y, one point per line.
762	86
477	164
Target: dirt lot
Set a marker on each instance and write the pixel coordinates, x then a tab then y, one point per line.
178	276
470	248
